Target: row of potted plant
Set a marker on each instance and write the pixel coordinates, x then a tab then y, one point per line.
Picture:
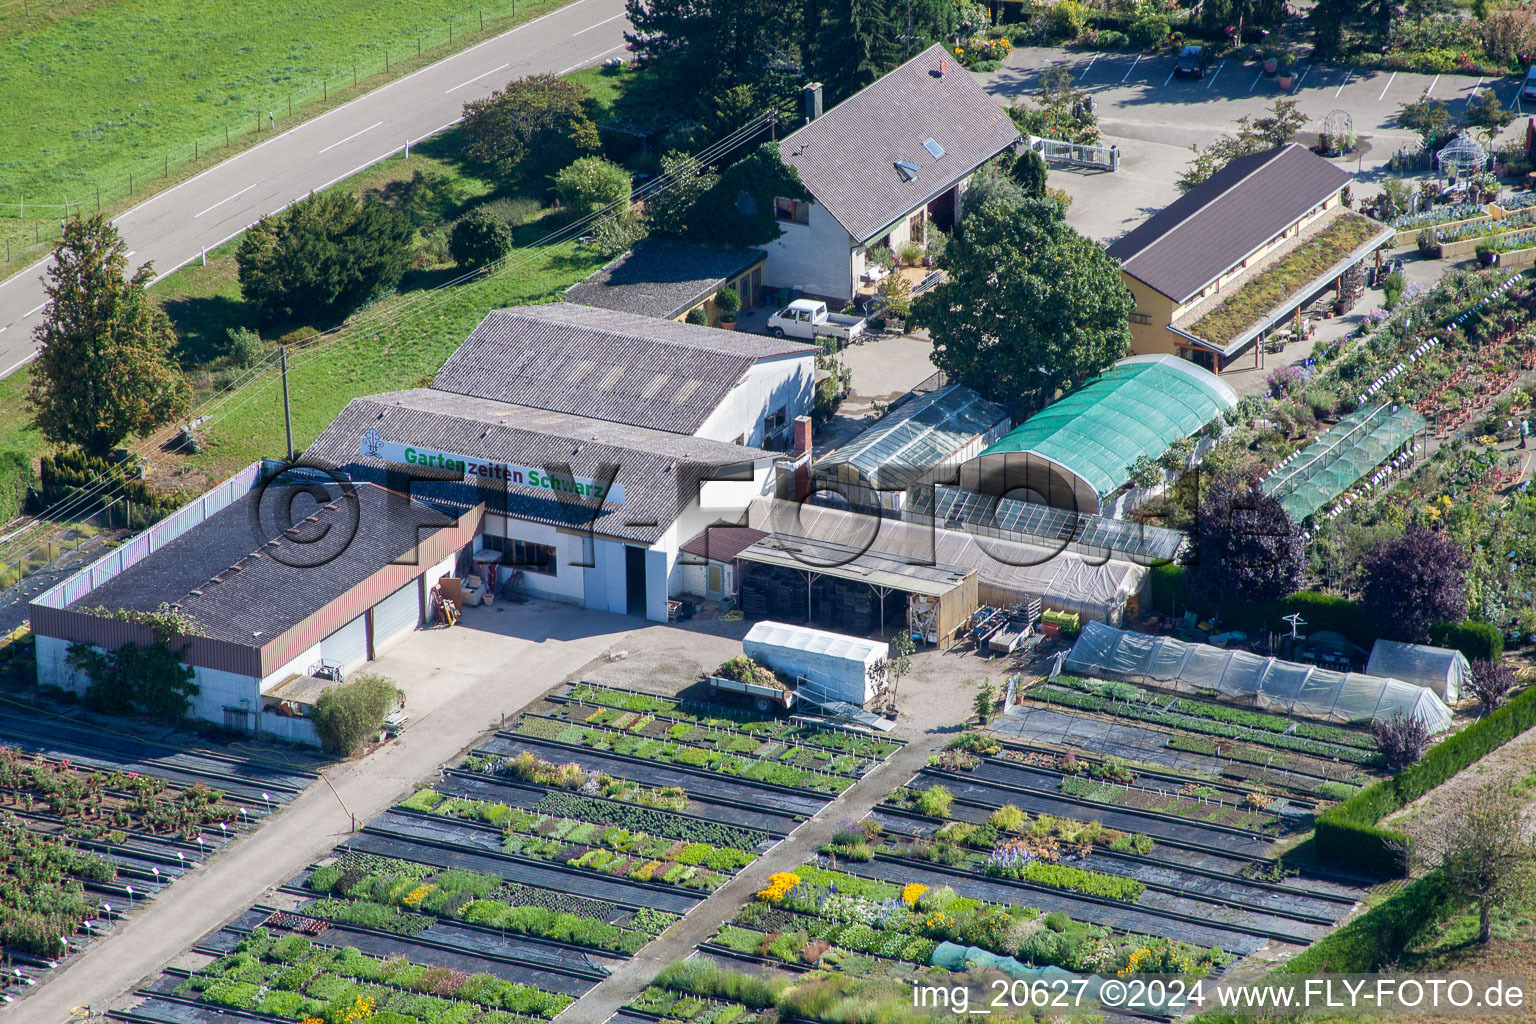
292	978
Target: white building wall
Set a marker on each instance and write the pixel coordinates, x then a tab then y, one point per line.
569	581
298	666
219	689
815	258
287	727
768	385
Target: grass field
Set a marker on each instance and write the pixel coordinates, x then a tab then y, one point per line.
93	90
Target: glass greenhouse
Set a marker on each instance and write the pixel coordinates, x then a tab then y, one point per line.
1339	457
1241	677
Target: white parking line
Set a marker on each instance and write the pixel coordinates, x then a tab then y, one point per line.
589	60
226	199
1133	68
1256	80
1471	95
1516	97
1387	86
1347	76
1088	68
1170	75
1431	89
477	78
1214	74
354	135
589	28
1304	73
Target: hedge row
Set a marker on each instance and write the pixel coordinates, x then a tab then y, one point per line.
1348	832
1170	590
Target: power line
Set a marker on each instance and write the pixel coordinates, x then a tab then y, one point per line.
253	381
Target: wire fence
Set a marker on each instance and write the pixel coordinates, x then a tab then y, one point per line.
277	111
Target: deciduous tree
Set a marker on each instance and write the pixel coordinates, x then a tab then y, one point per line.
1488	857
703	48
685	180
1253	135
1414	580
1486	115
530	129
106	368
1029	304
591	183
850	43
480	238
738	209
1430	119
1401	740
1246	546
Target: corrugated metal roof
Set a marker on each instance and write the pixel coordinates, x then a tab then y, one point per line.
1137	407
660	471
916	437
600	363
1218	223
847	157
663	277
241	577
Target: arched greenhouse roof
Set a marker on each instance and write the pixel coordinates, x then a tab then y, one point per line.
1283	687
1137	407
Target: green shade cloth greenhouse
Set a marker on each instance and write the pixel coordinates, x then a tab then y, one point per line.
1339	457
1138	407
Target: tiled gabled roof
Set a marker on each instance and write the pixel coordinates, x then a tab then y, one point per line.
847	157
659	471
1218	223
607	365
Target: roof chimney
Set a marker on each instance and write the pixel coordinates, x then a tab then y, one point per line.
943	66
811	95
802	436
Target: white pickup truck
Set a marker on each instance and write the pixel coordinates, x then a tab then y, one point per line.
808	319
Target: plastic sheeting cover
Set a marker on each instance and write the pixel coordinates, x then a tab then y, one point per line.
1439	668
1285	687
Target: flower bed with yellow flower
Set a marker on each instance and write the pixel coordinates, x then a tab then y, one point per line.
778	885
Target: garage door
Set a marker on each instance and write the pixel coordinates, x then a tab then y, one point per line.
348	646
397	614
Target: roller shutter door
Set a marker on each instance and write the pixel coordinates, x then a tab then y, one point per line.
348	646
397	614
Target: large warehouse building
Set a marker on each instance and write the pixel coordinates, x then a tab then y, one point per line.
265	585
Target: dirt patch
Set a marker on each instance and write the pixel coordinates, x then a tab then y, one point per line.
1497	957
1427	818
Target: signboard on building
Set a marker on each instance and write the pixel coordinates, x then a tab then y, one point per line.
371	446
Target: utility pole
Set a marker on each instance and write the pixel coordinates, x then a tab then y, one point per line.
282	355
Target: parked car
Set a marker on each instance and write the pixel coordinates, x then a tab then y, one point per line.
1193	62
1528	90
808	319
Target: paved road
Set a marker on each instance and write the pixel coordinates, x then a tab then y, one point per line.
456	686
173	227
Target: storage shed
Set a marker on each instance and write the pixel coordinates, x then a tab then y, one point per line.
1436	668
838	666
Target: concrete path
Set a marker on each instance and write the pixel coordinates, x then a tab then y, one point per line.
173	227
458	681
799	847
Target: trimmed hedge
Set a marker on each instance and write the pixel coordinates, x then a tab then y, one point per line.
1321	611
1348	832
1474	639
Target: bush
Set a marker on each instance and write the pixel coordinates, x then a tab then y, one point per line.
345	716
479	239
698	315
243	347
323	257
728	300
934	801
1149	32
1474	639
1347	831
1069	18
592	183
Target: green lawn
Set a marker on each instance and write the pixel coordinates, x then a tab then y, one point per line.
93	90
376	353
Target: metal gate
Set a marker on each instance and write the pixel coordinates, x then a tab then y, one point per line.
397	614
348	646
1104	158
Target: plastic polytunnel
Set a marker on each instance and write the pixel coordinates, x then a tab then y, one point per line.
1241	677
1441	669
